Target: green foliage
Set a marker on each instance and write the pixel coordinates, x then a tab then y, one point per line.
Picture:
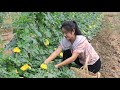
1	16
31	29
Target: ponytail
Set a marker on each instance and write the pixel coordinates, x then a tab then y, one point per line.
77	31
70	25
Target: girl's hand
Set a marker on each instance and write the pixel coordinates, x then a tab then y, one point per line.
85	66
45	62
56	66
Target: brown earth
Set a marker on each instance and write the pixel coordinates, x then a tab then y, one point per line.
107	44
5	37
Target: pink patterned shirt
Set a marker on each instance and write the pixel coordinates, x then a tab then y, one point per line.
81	46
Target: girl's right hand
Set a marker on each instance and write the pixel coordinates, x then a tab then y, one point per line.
45	62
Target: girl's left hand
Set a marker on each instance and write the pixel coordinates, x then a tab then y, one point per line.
85	66
56	66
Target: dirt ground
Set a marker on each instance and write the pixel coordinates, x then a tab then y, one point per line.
107	44
5	37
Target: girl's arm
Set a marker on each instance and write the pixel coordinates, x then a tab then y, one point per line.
68	61
87	59
86	63
53	55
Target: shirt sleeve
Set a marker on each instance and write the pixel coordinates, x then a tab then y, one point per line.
65	44
79	48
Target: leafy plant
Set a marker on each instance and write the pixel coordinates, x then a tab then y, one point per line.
36	34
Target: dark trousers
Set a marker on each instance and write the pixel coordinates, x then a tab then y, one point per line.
93	68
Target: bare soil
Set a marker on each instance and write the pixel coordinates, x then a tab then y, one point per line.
107	44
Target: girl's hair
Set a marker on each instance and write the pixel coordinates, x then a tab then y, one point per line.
70	25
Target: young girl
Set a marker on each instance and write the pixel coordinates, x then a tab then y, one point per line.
76	48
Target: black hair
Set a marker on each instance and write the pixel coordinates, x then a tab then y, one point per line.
70	25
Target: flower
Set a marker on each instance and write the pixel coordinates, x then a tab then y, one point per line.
61	54
46	43
25	67
55	48
43	66
90	27
16	50
98	18
94	26
21	77
29	67
16	71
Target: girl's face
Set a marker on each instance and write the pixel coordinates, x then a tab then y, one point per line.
68	34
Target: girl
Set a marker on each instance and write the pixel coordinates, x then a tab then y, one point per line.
76	48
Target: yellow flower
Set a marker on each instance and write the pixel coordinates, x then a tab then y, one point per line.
94	26
61	54
46	42
37	46
55	48
16	71
16	50
21	77
43	66
29	67
25	67
90	27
